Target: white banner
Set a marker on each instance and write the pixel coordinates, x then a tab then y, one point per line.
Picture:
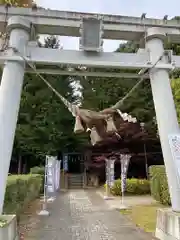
110	172
125	159
49	183
53	174
58	164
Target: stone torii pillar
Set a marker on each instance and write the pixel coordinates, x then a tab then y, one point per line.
10	95
165	110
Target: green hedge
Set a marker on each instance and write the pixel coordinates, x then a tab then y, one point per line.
41	171
133	187
20	190
159	185
37	170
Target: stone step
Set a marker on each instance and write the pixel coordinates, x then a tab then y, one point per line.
75	181
75	187
75	176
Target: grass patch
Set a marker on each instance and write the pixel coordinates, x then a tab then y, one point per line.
143	216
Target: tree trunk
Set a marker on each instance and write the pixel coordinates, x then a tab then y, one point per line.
19	164
25	167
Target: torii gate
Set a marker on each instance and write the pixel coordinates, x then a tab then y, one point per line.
91	28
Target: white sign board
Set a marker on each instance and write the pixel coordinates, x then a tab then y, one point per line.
57	173
174	141
51	176
110	172
125	158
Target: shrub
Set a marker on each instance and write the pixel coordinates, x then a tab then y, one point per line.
159	185
133	186
37	170
20	190
40	171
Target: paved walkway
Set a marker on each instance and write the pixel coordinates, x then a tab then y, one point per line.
129	201
84	215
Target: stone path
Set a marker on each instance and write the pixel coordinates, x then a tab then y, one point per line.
129	201
83	215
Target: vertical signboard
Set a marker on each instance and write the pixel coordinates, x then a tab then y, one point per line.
51	182
125	158
51	164
107	172
57	174
174	141
110	172
65	162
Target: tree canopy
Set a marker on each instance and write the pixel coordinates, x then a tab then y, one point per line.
45	126
18	3
105	92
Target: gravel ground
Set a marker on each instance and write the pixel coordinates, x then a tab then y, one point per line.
84	215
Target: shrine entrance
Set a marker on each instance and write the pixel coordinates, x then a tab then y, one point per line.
75	163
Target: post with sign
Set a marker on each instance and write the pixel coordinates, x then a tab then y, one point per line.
65	169
174	142
109	177
50	183
125	159
51	178
58	172
44	211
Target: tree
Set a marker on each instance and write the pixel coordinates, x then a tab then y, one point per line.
100	93
175	84
18	3
45	126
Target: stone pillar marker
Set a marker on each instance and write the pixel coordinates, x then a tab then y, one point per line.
10	95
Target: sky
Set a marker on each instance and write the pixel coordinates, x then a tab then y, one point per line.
153	8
